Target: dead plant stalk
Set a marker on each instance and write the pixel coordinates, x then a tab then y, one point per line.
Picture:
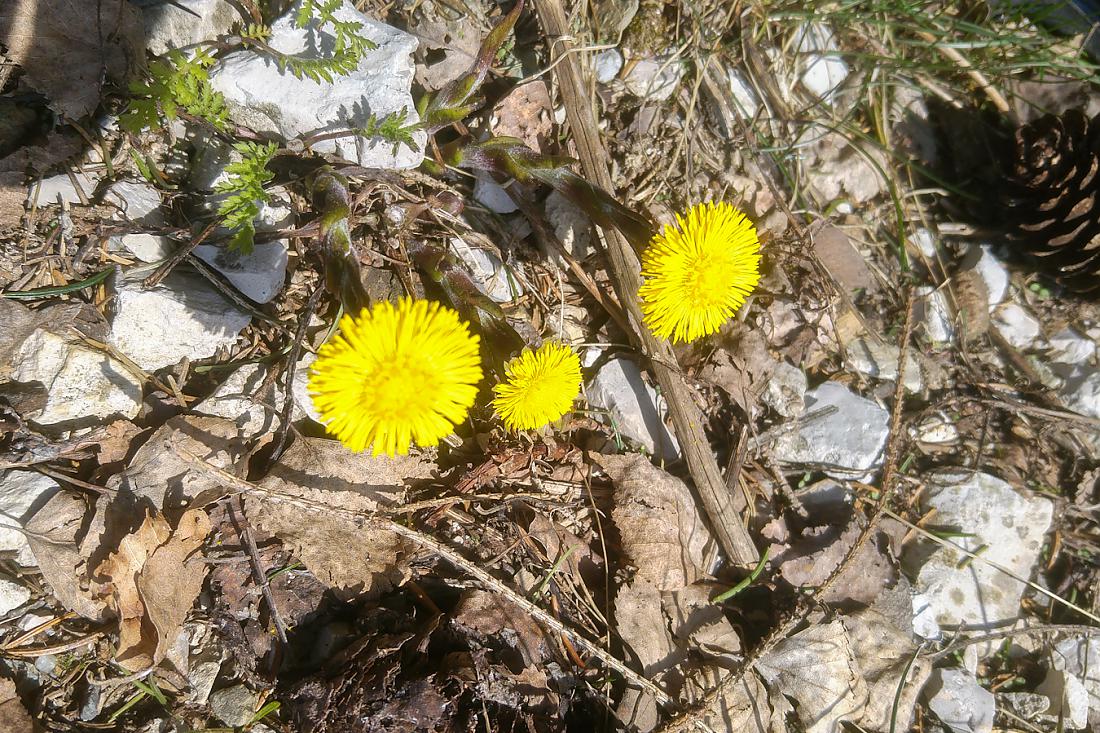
715	498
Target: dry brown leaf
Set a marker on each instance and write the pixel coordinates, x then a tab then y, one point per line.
817	669
13	716
884	654
159	473
173	576
455	44
746	707
64	47
662	629
835	250
342	553
52	534
488	615
743	371
525	113
810	559
662	532
154	578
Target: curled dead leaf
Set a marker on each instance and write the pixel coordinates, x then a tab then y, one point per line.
661	529
316	473
153	579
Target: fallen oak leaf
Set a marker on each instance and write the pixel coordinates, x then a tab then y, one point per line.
154	578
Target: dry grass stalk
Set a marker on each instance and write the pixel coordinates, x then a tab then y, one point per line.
715	498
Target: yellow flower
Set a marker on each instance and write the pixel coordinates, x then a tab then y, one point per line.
396	375
699	271
538	387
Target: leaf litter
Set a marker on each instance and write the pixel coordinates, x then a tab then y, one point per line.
179	548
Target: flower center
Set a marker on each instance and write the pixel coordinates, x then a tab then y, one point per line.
706	282
402	389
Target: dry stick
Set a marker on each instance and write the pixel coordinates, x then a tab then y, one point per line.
180	255
691	718
979	78
716	499
359	517
291	364
236	512
1071	629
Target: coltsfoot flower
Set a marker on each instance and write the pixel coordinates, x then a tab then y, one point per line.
396	375
699	271
539	387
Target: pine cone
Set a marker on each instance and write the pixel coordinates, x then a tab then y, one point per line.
1052	198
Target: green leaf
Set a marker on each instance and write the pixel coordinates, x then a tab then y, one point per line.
175	82
245	187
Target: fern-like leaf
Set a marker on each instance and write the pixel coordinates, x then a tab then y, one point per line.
246	192
176	82
392	128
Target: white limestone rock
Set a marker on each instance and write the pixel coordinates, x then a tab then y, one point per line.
137	201
572	226
848	443
606	64
823	70
786	390
492	195
1069	699
993	273
83	385
880	361
1019	327
631	407
238	398
934	313
303	403
656	78
145	247
1070	348
169	26
60	187
21	494
1081	392
183	316
490	275
12	596
267	100
743	93
259	275
1080	656
992	514
959	702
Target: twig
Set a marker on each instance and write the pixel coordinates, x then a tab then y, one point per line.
1009	633
691	718
979	78
288	380
715	498
179	255
237	515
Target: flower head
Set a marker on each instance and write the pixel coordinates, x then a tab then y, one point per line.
538	387
698	271
395	375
